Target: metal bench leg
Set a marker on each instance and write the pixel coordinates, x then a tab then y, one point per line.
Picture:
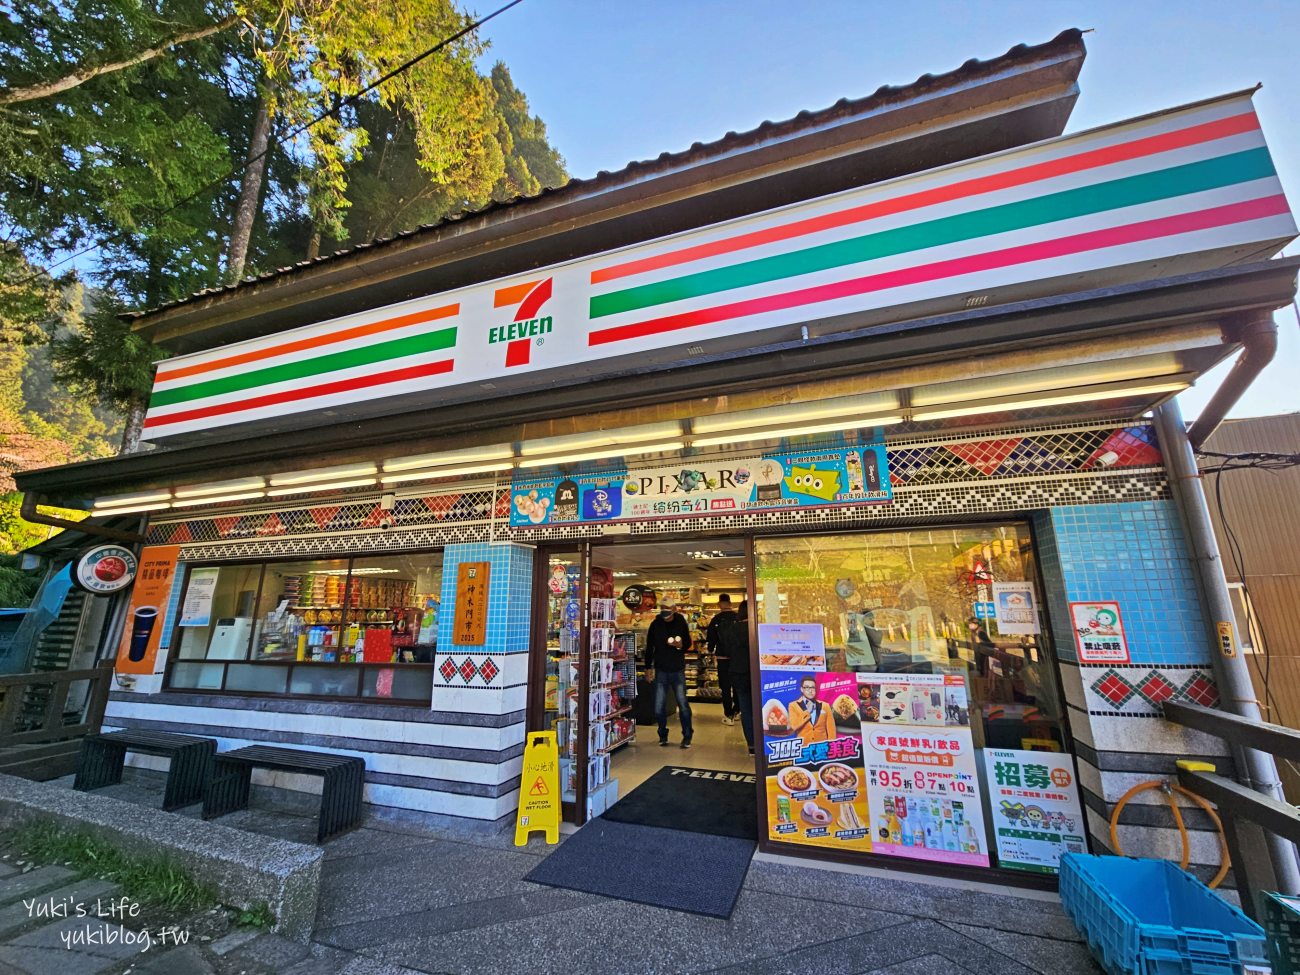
188	774
227	789
100	764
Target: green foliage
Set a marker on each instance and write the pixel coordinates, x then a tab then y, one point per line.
17	588
532	163
106	358
148	879
259	915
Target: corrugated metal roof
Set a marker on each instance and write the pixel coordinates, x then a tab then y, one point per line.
731	141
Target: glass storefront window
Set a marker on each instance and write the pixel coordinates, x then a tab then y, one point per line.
279	620
909	702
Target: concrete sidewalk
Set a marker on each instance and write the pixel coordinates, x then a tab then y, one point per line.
425	896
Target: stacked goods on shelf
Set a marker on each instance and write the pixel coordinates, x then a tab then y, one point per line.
608	687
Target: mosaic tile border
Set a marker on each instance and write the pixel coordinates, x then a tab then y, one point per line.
1138	691
469	671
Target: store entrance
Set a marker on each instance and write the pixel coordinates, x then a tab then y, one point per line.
611	646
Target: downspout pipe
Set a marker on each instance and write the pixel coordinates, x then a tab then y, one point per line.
1256	769
1258	338
29	513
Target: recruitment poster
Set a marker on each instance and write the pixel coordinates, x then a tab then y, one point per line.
812	740
921	774
1036	812
143	633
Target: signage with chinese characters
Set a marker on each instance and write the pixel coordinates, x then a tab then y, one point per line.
834	476
145	625
816	789
1015	609
471	610
1227	638
791	646
539	789
196	610
1099	633
922	782
105	569
1035	802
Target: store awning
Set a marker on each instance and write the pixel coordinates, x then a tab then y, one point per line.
1111	352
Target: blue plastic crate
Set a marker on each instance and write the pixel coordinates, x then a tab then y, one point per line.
1148	917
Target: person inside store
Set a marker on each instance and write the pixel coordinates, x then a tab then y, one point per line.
810	718
667	641
724	619
735	644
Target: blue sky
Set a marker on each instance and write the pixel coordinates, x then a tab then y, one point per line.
622	81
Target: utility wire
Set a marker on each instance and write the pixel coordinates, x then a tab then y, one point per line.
334	110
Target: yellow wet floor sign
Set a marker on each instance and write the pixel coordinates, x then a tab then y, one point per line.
539	792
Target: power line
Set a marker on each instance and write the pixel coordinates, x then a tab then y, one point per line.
334	110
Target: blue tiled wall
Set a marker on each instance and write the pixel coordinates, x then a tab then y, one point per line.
1132	553
509	594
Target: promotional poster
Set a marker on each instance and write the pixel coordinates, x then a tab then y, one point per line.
1036	812
919	757
851	475
145	622
815	780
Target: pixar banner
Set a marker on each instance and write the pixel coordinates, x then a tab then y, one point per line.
818	478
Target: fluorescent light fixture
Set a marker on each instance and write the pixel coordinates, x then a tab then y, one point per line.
446	472
652	448
603	438
220	487
470	455
782	433
1085	395
133	499
328	486
774	416
323	474
218	499
129	509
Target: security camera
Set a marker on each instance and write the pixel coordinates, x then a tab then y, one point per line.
387	522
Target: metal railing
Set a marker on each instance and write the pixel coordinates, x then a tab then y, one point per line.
1252	821
35	708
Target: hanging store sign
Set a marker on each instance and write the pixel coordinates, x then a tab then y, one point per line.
693	488
1104	206
105	569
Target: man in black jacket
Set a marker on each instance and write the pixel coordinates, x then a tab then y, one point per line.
666	644
724	618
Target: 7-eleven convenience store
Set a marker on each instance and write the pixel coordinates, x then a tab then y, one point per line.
899	374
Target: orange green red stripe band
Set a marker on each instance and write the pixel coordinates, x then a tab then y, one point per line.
293	395
1126	191
1023	254
1036	172
166	374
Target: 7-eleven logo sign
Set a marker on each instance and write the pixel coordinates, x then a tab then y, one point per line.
528	327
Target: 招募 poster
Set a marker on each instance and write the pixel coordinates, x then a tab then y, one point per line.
1034	799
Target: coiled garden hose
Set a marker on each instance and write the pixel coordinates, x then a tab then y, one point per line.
1167	789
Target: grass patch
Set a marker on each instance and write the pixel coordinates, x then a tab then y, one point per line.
257	916
147	879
